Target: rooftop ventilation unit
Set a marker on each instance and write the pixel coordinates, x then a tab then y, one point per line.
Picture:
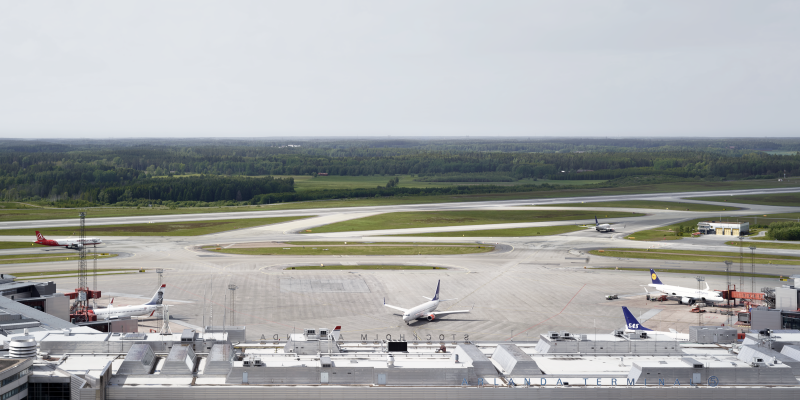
323	334
134	336
619	333
22	347
552	335
565	334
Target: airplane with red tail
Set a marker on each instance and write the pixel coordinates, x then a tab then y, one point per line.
67	243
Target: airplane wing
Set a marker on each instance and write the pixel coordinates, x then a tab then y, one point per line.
395	307
438	313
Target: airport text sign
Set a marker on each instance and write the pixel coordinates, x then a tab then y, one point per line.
573	381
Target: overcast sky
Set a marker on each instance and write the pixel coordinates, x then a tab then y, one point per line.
405	68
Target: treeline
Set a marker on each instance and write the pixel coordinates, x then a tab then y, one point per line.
380	191
785	230
114	171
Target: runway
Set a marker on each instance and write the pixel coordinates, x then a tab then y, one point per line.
530	285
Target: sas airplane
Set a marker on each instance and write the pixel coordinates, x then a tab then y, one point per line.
67	243
684	295
633	325
425	310
146	309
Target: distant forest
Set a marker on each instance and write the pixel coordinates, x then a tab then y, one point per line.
131	171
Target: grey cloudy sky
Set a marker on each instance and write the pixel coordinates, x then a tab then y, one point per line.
373	68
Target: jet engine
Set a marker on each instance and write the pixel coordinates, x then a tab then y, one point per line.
687	300
431	317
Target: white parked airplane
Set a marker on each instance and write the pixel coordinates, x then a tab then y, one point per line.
632	325
683	294
425	310
146	309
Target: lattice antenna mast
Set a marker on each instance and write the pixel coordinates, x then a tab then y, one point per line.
700	280
94	278
233	288
741	263
82	268
752	268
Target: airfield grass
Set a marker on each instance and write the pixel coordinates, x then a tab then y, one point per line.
364	267
765	245
689	271
692	255
26	212
396	250
669	232
190	228
38	258
770	199
15	245
349	243
656	205
513	232
427	219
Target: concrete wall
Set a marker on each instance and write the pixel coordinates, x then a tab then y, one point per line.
786	298
765	319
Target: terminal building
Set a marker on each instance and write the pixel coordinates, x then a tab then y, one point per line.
45	357
723	228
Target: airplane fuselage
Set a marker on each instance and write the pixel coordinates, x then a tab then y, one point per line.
129	311
421	311
68	243
678	291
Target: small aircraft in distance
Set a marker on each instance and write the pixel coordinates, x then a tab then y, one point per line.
67	243
633	325
146	309
425	310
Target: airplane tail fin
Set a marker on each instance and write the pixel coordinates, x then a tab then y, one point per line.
596	222
708	287
158	298
336	333
111	304
436	296
631	322
39	236
654	278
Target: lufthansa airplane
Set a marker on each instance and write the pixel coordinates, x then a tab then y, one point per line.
425	310
683	294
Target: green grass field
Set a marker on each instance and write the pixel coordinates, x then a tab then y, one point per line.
777	199
425	219
364	267
691	255
192	228
38	258
40	213
658	205
348	250
16	245
516	232
765	245
668	232
689	271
